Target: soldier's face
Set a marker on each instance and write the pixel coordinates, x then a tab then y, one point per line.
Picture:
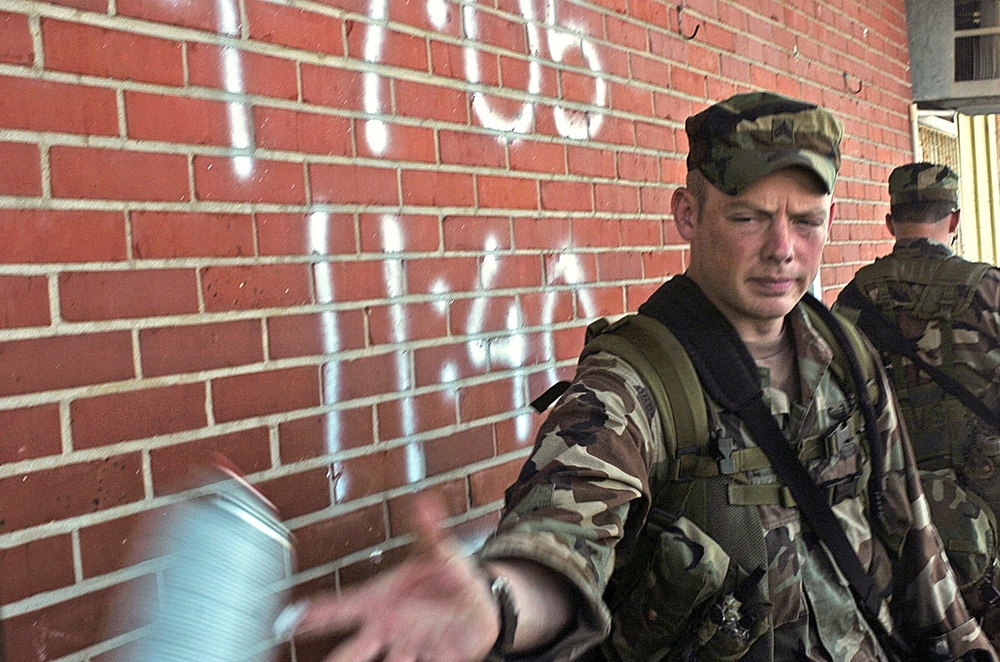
754	255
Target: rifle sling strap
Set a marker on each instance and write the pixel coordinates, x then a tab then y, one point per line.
886	335
730	376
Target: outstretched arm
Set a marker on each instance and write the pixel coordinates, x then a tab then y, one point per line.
437	605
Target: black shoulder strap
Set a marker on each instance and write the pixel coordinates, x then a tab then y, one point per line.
886	335
729	373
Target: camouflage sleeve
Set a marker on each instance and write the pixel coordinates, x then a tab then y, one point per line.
987	307
927	607
586	480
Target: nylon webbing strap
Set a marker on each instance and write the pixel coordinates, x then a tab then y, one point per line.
886	335
730	375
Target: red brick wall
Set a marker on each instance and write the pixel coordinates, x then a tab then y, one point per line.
344	243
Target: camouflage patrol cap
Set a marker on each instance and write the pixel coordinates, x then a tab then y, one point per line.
923	182
740	140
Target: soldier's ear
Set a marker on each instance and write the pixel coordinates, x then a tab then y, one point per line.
888	224
953	220
685	210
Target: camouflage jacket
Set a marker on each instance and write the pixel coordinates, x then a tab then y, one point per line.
972	357
583	494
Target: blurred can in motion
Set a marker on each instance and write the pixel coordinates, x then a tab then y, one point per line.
227	559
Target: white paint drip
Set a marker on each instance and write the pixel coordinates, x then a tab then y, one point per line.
392	238
376	132
318	229
232	74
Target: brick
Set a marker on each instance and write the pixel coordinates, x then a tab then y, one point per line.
63	628
263	393
427	101
616	198
45	364
108	419
164	235
90	50
497	192
433	188
118	543
24	301
405	322
175	119
458	450
29	433
16	46
64	492
366	376
183	466
529	156
570	269
314	436
255	286
398	48
217	178
105	295
374	473
547	308
476	232
184	13
339	88
409	233
416	414
310	133
425	275
209	64
172	350
405	143
48	236
488	485
541	233
20	168
444	364
567	196
358	281
472	149
36	105
89	173
641	232
99	6
351	184
300	493
486	399
339	536
35	567
290	26
448	60
319	233
587	161
619	265
313	334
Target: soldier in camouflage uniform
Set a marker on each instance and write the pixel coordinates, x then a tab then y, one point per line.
951	308
756	211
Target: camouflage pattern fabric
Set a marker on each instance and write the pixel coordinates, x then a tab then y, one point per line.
955	449
738	141
583	493
923	182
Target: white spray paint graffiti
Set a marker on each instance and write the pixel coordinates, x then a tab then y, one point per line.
376	132
232	75
570	124
318	229
392	243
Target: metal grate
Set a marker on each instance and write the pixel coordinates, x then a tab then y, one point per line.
977	40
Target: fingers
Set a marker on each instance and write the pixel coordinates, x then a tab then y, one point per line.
426	519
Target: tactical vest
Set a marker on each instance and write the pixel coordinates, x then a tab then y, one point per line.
959	463
940	427
661	609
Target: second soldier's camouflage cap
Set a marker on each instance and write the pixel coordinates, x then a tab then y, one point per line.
740	140
923	182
